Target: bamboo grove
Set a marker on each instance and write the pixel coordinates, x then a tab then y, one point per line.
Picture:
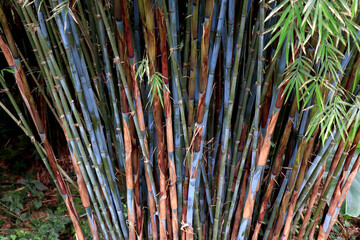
199	119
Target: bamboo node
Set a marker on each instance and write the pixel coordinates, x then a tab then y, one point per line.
186	228
323	199
116	59
4	90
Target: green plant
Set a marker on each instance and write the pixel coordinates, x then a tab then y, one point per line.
22	205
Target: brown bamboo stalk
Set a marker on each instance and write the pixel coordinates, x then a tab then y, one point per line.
345	190
185	197
129	69
157	112
193	60
311	204
240	206
264	150
129	174
284	204
334	163
169	127
337	195
128	125
145	14
330	175
84	196
299	180
275	170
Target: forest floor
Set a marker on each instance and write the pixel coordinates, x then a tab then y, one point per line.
30	207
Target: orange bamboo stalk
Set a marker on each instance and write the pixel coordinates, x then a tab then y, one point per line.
325	228
240	207
311	204
169	127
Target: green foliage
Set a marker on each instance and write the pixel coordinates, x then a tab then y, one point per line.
296	75
331	117
156	81
50	227
21	207
66	7
351	206
316	29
